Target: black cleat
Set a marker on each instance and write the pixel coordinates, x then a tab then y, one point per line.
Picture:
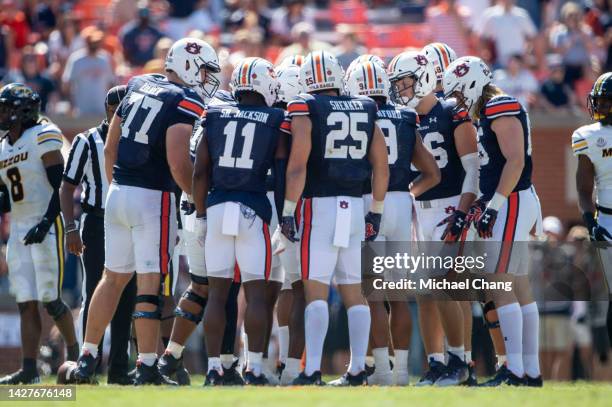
85	370
312	380
150	375
213	378
436	369
534	382
120	379
347	379
456	372
173	369
472	380
231	376
498	379
21	377
514	380
252	380
279	369
370	370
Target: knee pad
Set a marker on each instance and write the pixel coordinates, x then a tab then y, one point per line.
148	299
193	297
487	307
56	308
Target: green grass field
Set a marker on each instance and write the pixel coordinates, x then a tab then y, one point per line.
553	394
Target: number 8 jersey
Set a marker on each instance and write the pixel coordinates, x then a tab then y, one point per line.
152	105
23	172
342	131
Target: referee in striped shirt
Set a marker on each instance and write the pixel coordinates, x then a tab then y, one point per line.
85	167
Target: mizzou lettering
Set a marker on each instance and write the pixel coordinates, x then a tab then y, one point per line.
606	152
13	160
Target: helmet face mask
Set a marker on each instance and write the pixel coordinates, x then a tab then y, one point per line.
289	84
395	92
414	65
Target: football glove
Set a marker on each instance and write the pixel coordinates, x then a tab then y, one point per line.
288	228
37	233
455	223
477	208
187	207
485	223
597	233
372	225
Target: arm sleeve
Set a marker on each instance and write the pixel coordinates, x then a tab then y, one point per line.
79	154
54	175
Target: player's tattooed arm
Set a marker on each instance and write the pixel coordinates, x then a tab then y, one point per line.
111	145
177	153
425	162
467	149
201	176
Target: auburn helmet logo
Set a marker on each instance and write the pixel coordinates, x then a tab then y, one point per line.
193	48
461	70
421	60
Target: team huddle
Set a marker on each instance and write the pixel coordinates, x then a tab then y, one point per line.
275	185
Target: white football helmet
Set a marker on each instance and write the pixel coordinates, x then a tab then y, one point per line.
468	76
321	71
290	86
368	79
187	57
296	59
366	58
416	65
441	55
255	75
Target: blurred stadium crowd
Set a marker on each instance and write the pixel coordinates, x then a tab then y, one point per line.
547	53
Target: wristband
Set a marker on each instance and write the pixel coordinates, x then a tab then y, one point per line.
74	229
289	208
377	206
497	201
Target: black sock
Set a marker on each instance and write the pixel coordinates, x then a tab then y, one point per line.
29	365
231	318
165	340
72	352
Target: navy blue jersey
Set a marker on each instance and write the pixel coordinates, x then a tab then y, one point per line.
437	128
492	160
152	105
399	125
342	132
242	141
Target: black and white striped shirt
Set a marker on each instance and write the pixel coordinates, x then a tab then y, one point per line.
86	165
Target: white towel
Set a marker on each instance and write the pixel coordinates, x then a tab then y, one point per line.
231	218
342	232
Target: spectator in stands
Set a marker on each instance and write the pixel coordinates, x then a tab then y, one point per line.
16	20
475	8
63	41
302	41
557	97
517	81
349	47
448	22
157	65
573	40
88	75
139	37
508	29
188	15
6	49
30	74
287	17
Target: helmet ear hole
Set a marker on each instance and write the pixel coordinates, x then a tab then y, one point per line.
473	84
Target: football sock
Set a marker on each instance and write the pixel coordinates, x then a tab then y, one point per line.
359	334
370	361
381	359
165	341
29	365
147	358
227	361
175	349
458	351
254	363
511	323
468	356
214	364
401	360
283	343
316	321
91	348
531	324
293	365
438	357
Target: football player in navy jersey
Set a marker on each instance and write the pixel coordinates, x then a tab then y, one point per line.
441	211
239	144
507	208
146	153
336	146
399	125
